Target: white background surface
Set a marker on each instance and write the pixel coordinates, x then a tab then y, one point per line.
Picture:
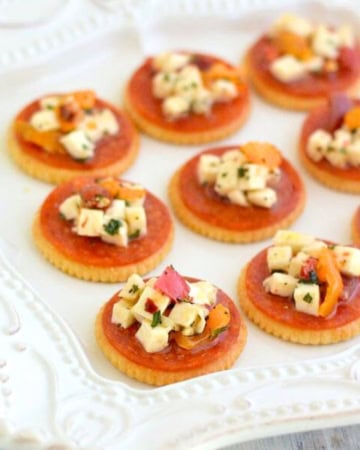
104	63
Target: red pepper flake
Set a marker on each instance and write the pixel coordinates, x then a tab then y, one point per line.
150	306
308	267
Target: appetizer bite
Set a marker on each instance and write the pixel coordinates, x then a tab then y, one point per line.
303	289
187	98
330	143
297	63
355	227
237	194
103	229
60	136
170	328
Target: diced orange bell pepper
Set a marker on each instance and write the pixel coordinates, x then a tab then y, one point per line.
218	320
111	185
47	140
219	71
292	44
85	99
127	193
352	118
262	153
327	271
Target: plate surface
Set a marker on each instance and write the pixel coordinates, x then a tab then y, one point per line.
55	385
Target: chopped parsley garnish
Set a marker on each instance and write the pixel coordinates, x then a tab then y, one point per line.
127	203
49	107
85	146
156	320
112	227
215	333
331	246
308	298
134	288
62	216
242	171
166	77
135	234
224	175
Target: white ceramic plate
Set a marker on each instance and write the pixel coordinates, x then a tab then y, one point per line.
55	384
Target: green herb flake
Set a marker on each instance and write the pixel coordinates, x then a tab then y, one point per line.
62	216
166	77
156	320
135	234
215	333
85	146
112	227
242	172
50	107
308	298
224	175
134	288
331	246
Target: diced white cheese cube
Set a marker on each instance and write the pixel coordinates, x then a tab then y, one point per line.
278	257
44	120
185	314
70	207
122	315
314	248
163	84
115	231
153	339
318	144
90	126
295	239
189	81
203	293
251	177
307	298
337	158
346	36
280	284
108	122
49	102
199	323
90	222
353	153
78	145
136	220
293	23
208	167
348	259
201	101
227	178
342	138
265	198
170	61
133	288
237	197
236	156
175	106
116	210
223	90
157	298
297	262
287	68
326	42
314	64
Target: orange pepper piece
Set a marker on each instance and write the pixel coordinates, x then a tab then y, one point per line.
47	140
262	153
85	99
352	118
111	185
219	71
327	271
219	318
127	193
293	44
